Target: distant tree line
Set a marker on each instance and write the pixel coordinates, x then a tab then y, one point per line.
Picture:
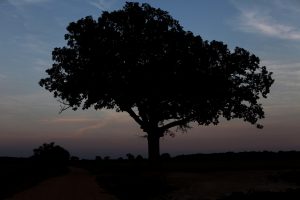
249	155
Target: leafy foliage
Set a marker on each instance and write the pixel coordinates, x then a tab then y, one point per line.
51	153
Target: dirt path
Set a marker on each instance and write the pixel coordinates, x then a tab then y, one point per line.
76	185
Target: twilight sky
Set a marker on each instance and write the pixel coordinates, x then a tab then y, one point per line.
29	114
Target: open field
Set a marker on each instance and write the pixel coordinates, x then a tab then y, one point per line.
205	177
228	176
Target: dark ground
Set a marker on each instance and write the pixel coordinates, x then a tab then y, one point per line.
77	184
17	174
230	176
216	176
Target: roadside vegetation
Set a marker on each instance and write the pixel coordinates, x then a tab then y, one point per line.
17	174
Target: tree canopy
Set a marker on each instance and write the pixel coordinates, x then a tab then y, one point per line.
141	61
51	153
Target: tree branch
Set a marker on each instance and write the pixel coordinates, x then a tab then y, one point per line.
134	116
175	123
64	106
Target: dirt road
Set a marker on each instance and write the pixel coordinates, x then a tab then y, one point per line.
78	184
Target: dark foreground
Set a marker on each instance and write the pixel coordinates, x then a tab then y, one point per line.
17	174
77	184
228	176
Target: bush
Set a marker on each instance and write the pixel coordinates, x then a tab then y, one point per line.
51	154
130	156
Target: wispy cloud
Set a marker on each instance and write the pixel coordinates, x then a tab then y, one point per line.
252	21
95	126
288	67
285	91
25	2
33	44
291	5
68	120
257	19
287	75
111	119
102	4
108	121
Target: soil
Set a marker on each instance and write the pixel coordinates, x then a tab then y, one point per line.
78	184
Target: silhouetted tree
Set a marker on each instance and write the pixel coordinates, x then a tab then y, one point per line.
165	156
120	159
139	158
51	153
130	156
106	158
139	60
98	158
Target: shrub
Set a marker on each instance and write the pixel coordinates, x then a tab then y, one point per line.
51	154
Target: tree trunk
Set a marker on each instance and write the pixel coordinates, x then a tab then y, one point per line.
153	147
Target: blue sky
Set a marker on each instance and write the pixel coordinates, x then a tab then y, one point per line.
29	114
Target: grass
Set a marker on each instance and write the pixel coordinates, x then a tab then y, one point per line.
216	176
